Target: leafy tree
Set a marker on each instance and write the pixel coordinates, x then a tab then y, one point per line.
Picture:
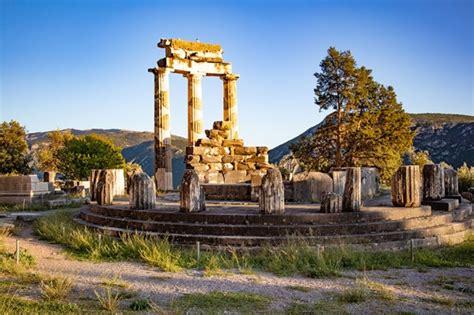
48	155
420	158
14	154
79	156
368	127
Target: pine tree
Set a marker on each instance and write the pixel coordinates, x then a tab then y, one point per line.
368	127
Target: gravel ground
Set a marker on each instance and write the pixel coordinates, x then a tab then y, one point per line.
415	290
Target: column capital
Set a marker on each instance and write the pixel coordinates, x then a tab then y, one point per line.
230	76
191	75
160	70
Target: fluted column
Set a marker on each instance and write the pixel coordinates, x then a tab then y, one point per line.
195	128
230	103
163	152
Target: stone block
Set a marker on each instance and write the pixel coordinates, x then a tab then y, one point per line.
405	187
213	177
197	150
227	166
241	166
222	125
310	186
233	143
235	176
245	150
263	166
262	150
201	167
370	182
211	159
227	159
215	166
258	159
442	205
191	194
142	192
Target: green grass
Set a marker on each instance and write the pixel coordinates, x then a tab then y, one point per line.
12	304
293	257
219	302
35	207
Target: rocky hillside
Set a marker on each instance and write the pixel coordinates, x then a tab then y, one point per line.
446	137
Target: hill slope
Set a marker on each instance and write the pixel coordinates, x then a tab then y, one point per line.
447	137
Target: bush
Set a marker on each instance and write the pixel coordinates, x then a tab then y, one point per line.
466	177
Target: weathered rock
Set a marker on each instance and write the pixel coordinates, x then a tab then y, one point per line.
351	200
197	150
451	184
142	192
222	125
191	194
115	177
272	193
105	188
406	187
331	203
310	186
213	177
233	143
433	182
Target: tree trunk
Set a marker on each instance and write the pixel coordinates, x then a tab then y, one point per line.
191	193
433	182
272	193
352	190
142	193
406	187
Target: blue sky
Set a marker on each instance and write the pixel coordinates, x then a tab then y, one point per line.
83	64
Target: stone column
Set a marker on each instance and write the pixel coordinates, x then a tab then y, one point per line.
142	192
195	128
163	153
451	182
191	194
406	187
230	103
433	182
272	193
351	199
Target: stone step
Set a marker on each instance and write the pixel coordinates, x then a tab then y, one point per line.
238	214
267	230
443	230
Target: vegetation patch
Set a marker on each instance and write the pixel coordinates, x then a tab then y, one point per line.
292	257
321	307
55	288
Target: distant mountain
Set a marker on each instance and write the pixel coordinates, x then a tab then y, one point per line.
447	137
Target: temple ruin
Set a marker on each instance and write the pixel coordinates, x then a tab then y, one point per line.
217	155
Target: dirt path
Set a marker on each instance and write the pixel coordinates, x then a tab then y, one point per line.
415	291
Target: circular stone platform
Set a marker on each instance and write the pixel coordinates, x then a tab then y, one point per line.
241	224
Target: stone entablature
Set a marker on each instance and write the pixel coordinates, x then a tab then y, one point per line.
221	160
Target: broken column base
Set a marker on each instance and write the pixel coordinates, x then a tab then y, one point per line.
443	204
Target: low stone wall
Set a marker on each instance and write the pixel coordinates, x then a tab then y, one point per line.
220	160
23	189
311	186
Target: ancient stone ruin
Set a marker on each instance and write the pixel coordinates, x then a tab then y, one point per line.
218	155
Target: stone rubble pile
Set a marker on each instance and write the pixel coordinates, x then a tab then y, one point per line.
218	159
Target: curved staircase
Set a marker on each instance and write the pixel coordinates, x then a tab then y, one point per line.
242	225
